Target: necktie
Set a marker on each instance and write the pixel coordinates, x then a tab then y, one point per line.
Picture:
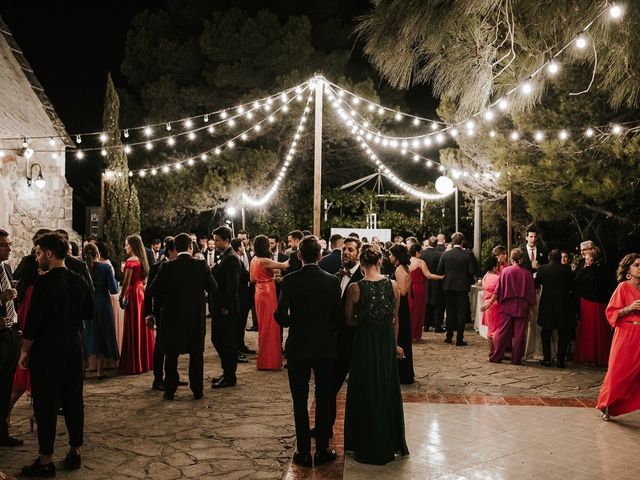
6	285
533	257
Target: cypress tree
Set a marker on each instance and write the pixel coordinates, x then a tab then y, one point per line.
122	209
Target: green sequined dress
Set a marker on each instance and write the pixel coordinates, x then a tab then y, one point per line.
374	419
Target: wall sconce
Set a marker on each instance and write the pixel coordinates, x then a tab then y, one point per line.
39	181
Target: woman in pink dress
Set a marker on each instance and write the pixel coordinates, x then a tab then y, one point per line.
501	254
137	338
418	296
491	307
261	273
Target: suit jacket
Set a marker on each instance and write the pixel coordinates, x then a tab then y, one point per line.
310	306
79	267
345	333
153	305
295	263
556	302
245	289
180	284
457	268
331	263
435	294
227	275
3	308
542	257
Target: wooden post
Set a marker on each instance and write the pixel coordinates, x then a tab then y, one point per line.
477	224
317	158
243	218
455	192
509	226
421	210
101	189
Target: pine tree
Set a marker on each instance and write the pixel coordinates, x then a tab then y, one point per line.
122	209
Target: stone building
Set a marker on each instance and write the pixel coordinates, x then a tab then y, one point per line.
27	113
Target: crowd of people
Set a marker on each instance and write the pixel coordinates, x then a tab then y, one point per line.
352	309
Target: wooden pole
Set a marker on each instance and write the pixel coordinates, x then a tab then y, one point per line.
477	224
509	226
102	190
317	158
243	218
456	208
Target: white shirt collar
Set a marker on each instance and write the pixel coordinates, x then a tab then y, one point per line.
184	253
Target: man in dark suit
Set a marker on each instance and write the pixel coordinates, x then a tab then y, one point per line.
73	264
9	340
225	307
348	274
295	264
332	262
310	307
458	271
441	242
534	255
156	250
181	284
435	295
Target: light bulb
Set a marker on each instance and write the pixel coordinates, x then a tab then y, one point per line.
103	137
244	137
553	68
103	152
206	118
131	174
526	88
616	129
416	157
79	154
191	136
178	166
514	135
52	142
470	125
190	162
429	163
539	136
148	131
148	145
581	42
589	133
615	11
503	104
127	149
154	171
165	169
380	110
223	114
453	132
416	121
440	138
210	129
488	115
126	133
203	157
398	117
492	133
168	126
257	128
78	139
171	141
142	173
563	135
232	122
434	126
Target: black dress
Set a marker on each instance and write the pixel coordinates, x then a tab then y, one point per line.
405	366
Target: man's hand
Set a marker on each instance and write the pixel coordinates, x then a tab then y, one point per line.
7	295
22	362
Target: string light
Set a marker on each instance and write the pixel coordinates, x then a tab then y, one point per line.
553	68
581	42
615	11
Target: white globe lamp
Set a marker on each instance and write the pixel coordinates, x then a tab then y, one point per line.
444	185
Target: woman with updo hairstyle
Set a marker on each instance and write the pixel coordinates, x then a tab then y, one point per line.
491	307
374	418
419	272
400	259
501	254
620	392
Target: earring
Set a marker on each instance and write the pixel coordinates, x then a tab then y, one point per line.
628	276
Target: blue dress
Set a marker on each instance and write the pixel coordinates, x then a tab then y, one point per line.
100	331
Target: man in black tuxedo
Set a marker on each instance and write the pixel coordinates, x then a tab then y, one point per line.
441	242
348	274
225	307
156	250
9	340
458	271
534	255
332	262
309	305
435	295
181	284
295	264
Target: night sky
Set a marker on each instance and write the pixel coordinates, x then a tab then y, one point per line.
72	46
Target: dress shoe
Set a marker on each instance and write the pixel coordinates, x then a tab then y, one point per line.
242	358
326	456
448	340
461	344
169	396
182	384
252	328
36	469
11	442
247	351
223	383
302	459
197	395
72	461
158	385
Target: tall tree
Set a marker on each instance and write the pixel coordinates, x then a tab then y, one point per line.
122	209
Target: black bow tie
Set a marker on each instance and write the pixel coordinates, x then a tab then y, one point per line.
344	272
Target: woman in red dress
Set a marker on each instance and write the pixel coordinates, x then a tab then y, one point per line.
593	334
137	338
491	307
620	392
418	296
261	273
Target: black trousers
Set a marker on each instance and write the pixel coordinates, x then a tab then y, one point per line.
196	372
158	356
564	336
458	308
299	371
435	316
339	370
9	353
223	337
56	382
242	324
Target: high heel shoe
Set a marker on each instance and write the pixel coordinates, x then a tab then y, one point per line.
605	414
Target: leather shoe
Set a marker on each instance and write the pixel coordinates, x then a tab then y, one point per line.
222	383
36	469
545	363
216	379
461	344
448	340
242	358
158	385
11	442
326	456
182	384
302	459
439	330
197	395
168	396
72	461
252	328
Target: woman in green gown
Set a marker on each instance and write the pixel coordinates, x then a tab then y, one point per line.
374	419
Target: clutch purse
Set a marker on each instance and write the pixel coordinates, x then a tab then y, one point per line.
123	302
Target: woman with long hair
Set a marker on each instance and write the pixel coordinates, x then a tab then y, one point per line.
491	307
100	332
620	392
261	274
374	417
400	259
137	337
419	272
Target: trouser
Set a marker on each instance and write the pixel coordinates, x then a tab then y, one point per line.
435	316
457	305
9	353
564	335
159	357
223	337
511	330
242	324
196	372
340	369
56	382
299	372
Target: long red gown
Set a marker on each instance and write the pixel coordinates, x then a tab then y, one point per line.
593	335
417	303
491	316
22	377
269	340
137	338
621	387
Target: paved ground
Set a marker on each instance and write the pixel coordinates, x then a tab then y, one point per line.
247	432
